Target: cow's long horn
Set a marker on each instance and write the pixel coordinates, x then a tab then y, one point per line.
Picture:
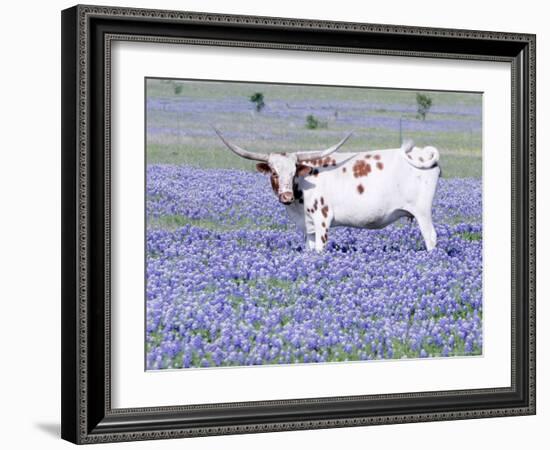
307	156
241	151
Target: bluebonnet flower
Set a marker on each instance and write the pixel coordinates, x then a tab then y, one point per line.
226	285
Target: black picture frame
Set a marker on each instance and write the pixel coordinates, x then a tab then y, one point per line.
87	33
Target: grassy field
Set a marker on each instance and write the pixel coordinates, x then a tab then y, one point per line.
180	115
229	280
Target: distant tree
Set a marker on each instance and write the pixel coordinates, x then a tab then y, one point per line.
424	103
178	88
258	99
312	123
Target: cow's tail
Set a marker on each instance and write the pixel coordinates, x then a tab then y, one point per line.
420	157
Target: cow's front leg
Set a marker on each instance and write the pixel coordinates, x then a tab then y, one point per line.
321	239
322	220
310	241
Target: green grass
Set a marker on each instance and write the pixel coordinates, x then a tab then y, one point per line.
263	132
164	88
460	165
471	236
454	164
176	221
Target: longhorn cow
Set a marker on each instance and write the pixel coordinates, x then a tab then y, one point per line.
369	189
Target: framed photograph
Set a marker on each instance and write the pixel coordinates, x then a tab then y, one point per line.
279	224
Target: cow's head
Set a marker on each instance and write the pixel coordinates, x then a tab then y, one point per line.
283	167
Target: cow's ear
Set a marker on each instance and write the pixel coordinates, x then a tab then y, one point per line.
263	168
302	170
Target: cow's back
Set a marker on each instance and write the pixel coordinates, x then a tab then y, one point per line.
371	189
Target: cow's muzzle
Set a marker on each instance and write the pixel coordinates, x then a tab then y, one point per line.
286	198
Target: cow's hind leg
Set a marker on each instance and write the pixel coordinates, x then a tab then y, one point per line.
422	210
427	229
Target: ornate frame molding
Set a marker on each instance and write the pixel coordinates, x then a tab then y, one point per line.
80	422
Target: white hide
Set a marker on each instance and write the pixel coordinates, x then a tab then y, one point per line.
401	183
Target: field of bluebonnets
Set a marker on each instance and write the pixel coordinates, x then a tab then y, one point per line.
229	282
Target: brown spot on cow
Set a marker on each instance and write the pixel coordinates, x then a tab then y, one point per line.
327	161
275	183
326	237
361	169
377	157
344	170
324	225
315	172
380	166
360	188
322	201
324	211
303	170
323	239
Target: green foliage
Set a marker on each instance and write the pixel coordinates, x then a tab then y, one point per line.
312	123
424	103
177	221
460	151
178	88
471	236
258	99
